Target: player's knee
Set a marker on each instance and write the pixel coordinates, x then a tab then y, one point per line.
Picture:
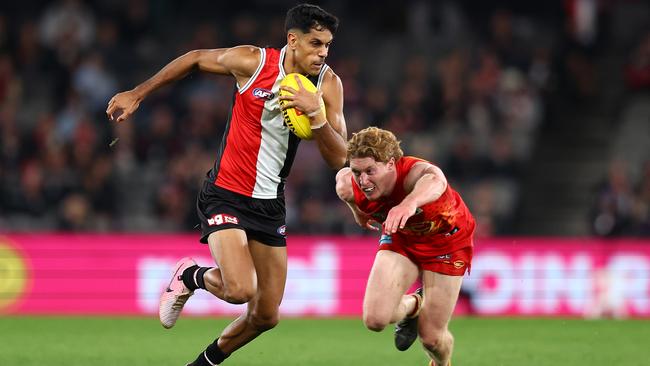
437	340
238	294
263	321
375	322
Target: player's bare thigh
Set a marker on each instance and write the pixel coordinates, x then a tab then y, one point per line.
440	296
230	250
391	275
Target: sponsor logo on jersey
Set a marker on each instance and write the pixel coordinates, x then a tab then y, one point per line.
444	257
282	230
459	264
220	219
385	239
263	93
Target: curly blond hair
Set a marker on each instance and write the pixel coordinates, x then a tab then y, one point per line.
373	142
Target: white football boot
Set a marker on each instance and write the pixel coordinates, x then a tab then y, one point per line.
175	295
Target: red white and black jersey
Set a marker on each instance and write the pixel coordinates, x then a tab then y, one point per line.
257	149
434	222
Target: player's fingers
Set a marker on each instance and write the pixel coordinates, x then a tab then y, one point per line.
397	222
286	97
298	81
289	89
125	114
287	103
111	111
388	225
402	222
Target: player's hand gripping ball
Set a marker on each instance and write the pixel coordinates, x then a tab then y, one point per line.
296	120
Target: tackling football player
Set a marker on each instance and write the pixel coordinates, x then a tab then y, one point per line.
427	232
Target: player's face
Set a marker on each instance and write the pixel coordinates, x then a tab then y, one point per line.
311	49
376	179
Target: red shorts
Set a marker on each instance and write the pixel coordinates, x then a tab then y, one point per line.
426	256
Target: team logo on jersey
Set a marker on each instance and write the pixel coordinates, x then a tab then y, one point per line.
282	230
263	93
220	219
385	239
459	264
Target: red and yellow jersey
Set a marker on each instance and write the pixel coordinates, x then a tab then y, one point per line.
445	222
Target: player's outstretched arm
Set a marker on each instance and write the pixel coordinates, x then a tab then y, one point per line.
240	62
346	194
331	137
426	183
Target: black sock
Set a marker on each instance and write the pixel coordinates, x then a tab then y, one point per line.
213	355
193	277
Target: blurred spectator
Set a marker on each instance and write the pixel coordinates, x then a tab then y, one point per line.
92	81
4	34
641	208
637	71
10	86
612	214
76	214
68	27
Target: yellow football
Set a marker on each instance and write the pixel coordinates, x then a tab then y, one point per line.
296	120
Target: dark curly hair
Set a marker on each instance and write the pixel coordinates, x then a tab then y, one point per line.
308	16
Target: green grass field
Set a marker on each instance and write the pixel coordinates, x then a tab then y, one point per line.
97	341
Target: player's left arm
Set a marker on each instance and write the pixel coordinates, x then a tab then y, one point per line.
331	137
425	183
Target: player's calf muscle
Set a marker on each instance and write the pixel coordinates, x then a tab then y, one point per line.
238	293
233	292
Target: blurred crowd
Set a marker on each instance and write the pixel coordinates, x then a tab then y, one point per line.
622	203
465	89
622	206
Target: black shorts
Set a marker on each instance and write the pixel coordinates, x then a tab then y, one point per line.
263	220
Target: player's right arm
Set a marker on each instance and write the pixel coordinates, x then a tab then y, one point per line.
240	62
346	193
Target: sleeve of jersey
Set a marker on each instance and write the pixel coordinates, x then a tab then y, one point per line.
409	161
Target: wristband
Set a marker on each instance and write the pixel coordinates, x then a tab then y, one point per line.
319	126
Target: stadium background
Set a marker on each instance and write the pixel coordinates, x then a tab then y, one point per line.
539	114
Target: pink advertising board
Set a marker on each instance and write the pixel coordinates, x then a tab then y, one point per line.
124	274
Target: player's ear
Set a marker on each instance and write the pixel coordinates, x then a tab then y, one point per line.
292	39
391	164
